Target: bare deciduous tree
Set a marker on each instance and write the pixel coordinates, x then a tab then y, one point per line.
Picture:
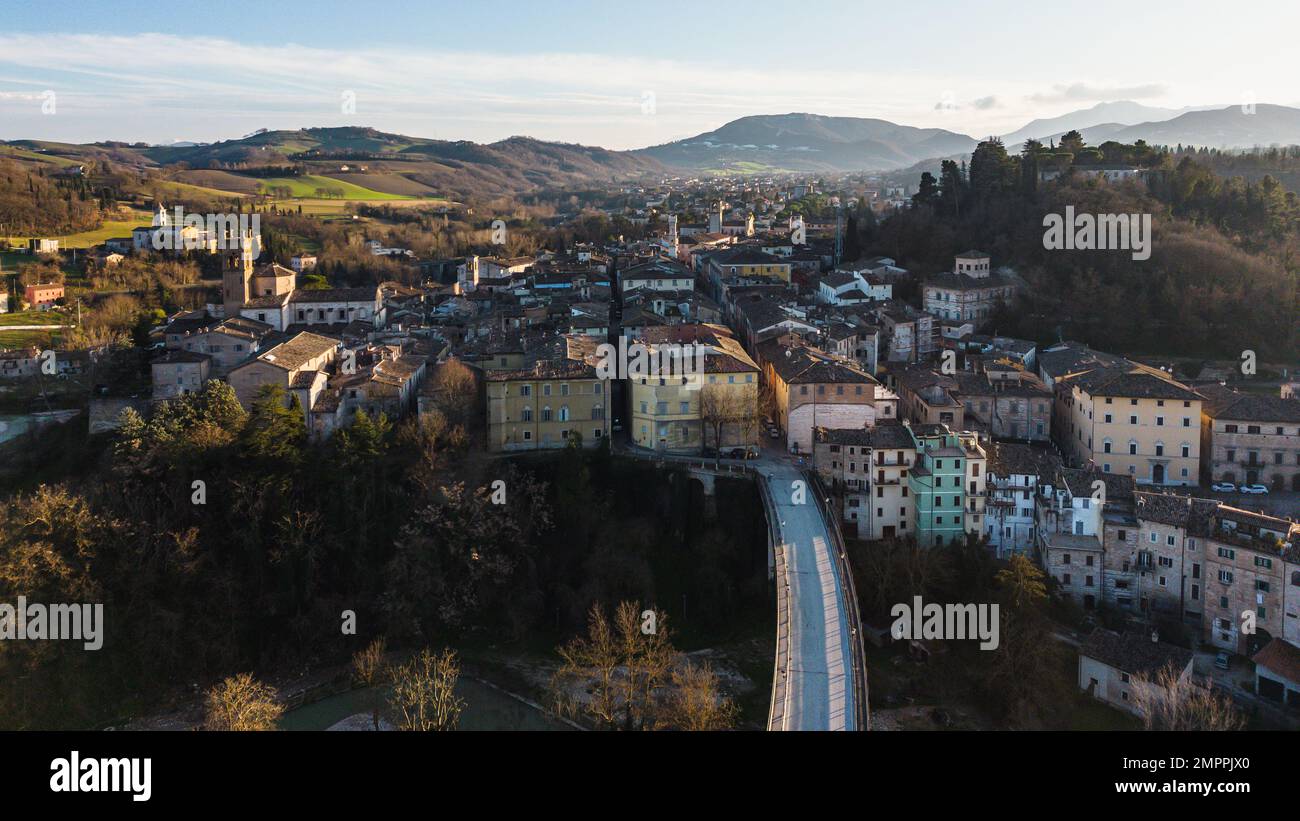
696	701
631	678
1169	701
456	391
723	405
368	671
242	703
424	692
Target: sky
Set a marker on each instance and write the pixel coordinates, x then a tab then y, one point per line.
614	74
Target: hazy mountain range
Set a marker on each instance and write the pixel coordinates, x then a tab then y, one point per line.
404	166
810	142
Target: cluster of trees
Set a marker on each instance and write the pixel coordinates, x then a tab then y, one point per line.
1020	681
35	203
1222	276
421	694
221	539
625	674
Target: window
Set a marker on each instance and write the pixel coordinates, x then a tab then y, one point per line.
528	414
546	413
564	413
525	390
1225	576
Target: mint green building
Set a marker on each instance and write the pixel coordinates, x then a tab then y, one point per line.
937	485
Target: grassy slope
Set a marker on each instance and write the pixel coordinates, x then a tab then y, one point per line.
87	239
305	186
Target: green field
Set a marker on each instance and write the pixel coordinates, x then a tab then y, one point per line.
33	318
87	239
24	339
305	187
23	154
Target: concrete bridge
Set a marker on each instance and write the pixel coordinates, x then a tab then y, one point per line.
820	677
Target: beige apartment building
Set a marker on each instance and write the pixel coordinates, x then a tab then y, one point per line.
1133	421
1245	562
870	468
717	408
1250	439
812	389
544	406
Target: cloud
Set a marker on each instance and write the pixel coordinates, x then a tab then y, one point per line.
1086	92
188	84
985	103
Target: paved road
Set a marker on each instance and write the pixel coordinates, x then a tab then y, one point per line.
818	689
814	679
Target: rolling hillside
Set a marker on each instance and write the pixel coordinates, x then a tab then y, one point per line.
809	142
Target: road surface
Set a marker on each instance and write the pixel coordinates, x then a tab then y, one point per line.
818	686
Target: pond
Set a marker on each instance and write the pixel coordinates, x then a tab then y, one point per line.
486	708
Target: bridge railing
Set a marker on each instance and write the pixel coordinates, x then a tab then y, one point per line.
776	712
862	710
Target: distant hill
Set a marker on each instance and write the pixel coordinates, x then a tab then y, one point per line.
1230	127
394	163
1113	116
808	142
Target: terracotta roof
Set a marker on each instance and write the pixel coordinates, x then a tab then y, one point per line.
1282	658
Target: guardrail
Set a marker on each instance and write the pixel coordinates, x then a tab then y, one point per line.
862	710
777	711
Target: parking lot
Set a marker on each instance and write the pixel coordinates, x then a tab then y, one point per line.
1284	503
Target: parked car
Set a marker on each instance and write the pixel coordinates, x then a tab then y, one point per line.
1223	487
743	453
1222	661
1254	489
774	432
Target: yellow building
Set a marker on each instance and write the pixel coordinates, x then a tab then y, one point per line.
717	408
1131	420
748	262
542	406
